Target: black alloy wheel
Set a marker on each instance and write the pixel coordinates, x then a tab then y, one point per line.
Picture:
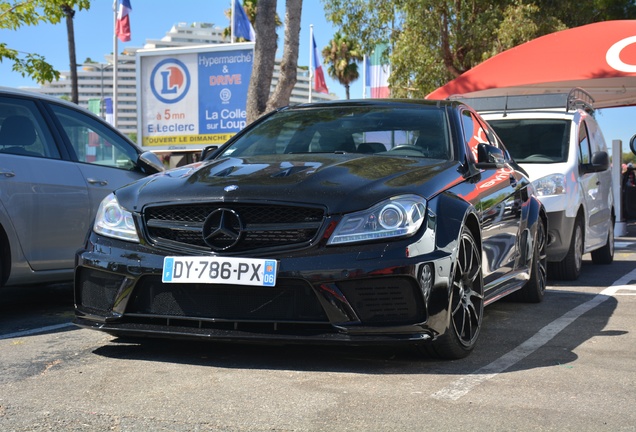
467	303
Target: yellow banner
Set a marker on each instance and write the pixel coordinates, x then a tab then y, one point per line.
180	140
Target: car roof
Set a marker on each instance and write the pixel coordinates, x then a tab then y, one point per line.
40	96
395	103
36	95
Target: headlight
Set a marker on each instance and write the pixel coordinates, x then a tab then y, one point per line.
112	220
553	184
400	216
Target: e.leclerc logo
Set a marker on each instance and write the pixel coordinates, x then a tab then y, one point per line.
170	80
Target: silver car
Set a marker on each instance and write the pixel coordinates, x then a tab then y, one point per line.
57	162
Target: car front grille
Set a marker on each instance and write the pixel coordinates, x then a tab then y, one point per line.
248	227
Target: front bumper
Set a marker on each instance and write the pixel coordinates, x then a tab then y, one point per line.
560	228
355	295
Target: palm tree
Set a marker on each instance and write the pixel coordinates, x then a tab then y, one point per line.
342	56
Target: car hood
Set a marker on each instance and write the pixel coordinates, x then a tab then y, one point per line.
340	182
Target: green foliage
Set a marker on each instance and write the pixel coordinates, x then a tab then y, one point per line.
18	13
574	14
629	157
367	21
433	41
521	23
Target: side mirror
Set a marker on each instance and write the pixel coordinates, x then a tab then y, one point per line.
600	162
150	163
632	144
489	157
208	150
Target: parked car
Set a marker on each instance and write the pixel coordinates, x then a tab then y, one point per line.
57	163
556	139
345	222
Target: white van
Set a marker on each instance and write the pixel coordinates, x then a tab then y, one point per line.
556	139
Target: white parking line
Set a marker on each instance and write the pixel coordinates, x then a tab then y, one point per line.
35	331
463	385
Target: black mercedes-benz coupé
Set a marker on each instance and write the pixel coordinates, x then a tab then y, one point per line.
371	221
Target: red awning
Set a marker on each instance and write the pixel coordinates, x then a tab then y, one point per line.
599	57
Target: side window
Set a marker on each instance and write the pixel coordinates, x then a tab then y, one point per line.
93	142
597	142
584	145
474	132
23	131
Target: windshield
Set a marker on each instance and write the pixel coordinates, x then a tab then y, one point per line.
534	140
419	131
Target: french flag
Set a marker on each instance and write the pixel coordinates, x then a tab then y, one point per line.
122	25
319	77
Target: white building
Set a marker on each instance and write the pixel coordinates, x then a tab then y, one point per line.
95	80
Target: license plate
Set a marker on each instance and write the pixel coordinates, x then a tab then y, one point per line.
220	270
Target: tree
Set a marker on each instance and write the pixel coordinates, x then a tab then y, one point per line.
258	93
69	12
434	41
341	56
18	13
289	62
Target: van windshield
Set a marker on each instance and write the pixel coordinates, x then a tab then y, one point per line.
537	141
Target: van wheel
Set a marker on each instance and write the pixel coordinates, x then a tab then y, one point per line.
605	255
570	267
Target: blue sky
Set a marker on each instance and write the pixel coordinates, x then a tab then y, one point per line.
151	19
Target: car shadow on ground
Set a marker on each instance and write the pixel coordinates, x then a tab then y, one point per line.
595	275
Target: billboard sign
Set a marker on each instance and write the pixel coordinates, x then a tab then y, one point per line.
192	97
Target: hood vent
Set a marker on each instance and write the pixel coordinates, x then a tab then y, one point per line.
225	172
290	171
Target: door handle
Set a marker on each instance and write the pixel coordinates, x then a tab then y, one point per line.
6	173
97	181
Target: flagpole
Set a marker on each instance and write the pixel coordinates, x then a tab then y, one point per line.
232	22
311	60
364	77
115	64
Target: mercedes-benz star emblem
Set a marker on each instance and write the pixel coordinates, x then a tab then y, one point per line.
222	229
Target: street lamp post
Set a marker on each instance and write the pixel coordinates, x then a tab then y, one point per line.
101	67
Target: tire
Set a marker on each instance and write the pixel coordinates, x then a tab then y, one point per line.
466	304
534	290
570	267
4	252
605	255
